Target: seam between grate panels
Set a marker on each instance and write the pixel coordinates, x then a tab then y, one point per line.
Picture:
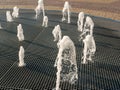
8	70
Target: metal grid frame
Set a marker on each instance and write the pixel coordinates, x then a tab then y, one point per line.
41	51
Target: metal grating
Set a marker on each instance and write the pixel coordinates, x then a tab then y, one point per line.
41	51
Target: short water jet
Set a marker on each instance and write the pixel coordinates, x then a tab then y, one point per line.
89	48
57	33
39	8
9	16
45	21
80	21
66	11
88	28
20	34
15	13
21	57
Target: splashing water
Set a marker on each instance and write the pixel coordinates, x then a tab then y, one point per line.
66	62
21	57
20	34
89	48
88	28
66	11
45	21
89	24
8	16
57	33
39	8
80	21
15	13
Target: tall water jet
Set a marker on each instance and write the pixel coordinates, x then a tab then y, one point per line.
66	62
45	21
80	21
88	28
15	12
21	57
89	48
57	33
9	16
20	34
39	8
66	11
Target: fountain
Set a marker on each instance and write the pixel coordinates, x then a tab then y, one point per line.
39	8
8	16
57	33
89	25
88	28
66	11
88	40
66	62
45	21
80	21
21	57
89	48
15	13
20	34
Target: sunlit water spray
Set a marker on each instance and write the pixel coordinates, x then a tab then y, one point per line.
66	11
89	25
86	36
21	57
88	28
39	8
80	21
20	34
66	62
9	16
89	48
15	12
45	21
57	33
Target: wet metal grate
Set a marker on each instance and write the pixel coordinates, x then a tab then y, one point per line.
41	52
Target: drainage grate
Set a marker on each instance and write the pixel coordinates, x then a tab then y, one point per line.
41	52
